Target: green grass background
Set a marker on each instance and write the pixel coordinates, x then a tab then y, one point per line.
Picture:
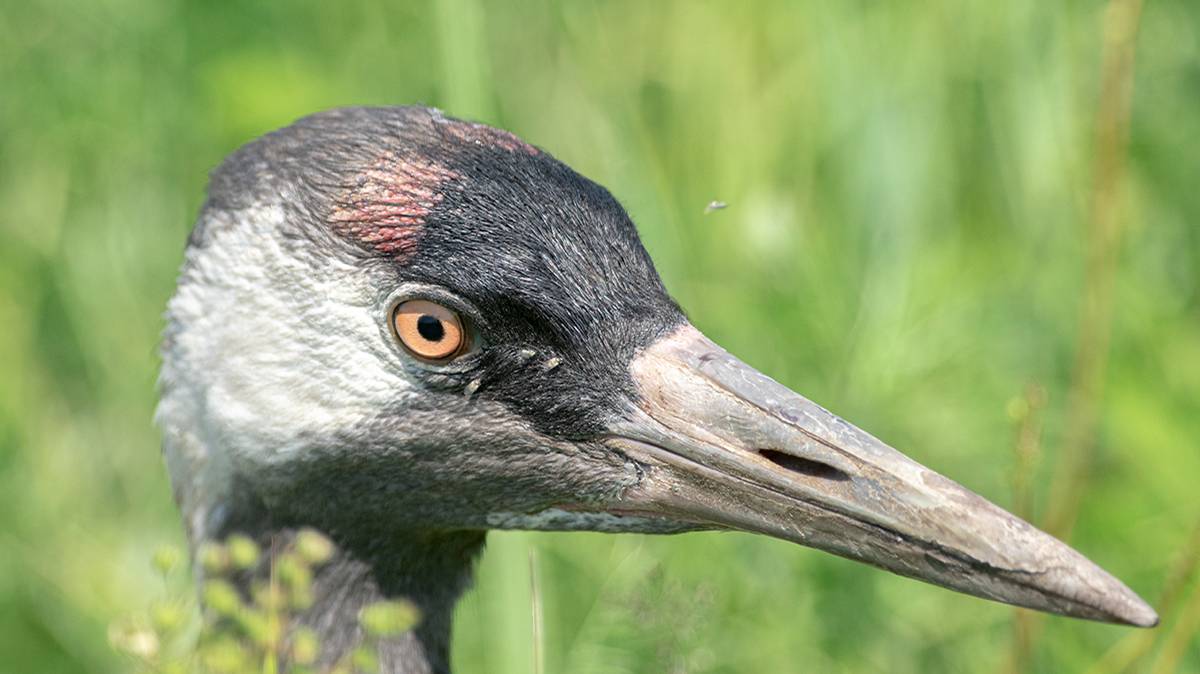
908	189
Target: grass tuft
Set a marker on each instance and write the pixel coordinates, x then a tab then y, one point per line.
231	633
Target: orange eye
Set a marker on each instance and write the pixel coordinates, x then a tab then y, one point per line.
429	331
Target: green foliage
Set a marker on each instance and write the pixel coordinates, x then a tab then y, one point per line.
231	633
908	190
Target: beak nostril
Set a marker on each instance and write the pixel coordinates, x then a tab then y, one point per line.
803	466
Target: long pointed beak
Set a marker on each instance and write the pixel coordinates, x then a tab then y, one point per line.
727	447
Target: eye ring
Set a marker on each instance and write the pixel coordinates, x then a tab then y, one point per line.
430	331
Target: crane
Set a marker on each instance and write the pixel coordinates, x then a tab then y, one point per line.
404	330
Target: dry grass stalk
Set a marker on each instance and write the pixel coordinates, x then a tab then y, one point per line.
535	600
1103	239
1026	412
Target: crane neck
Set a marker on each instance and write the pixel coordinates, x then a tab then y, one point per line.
430	569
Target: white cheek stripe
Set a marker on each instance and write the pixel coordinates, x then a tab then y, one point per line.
266	349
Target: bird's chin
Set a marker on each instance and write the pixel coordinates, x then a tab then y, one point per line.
576	517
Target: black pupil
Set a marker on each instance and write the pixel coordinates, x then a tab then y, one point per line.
431	328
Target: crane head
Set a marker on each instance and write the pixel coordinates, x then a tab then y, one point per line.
392	320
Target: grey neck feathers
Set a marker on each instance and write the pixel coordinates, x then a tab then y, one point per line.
430	569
